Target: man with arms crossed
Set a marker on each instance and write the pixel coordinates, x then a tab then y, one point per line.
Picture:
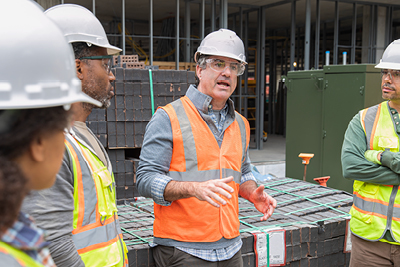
370	157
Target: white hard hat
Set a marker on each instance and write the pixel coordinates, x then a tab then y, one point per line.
391	57
224	43
38	67
80	25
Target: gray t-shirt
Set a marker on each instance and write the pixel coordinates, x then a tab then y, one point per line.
84	130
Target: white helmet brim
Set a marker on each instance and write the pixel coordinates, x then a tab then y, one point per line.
388	65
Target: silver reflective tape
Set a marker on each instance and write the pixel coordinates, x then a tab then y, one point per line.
187	135
369	206
369	122
89	187
95	236
202	176
242	128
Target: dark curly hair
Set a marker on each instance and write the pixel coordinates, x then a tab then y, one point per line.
18	129
13	188
81	49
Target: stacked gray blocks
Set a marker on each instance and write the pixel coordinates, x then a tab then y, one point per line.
313	217
122	125
131	108
124	169
137	228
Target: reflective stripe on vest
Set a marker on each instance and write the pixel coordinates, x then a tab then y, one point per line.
369	118
96	227
375	208
21	257
196	156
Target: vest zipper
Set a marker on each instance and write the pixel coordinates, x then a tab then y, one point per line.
390	208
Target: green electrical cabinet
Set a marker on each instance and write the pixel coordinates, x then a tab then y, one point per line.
320	104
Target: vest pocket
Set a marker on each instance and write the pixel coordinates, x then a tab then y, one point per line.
368	190
105	192
364	207
388	142
365	218
108	256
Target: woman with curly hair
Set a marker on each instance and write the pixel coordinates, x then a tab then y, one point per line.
38	84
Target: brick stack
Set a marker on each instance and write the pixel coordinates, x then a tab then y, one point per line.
129	62
313	217
131	108
121	127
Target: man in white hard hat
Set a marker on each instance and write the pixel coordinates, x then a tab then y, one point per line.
79	212
370	157
204	164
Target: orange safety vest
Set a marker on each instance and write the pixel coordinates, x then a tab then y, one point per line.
196	156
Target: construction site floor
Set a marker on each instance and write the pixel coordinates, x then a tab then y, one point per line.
270	159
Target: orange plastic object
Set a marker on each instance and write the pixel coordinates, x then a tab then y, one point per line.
306	158
322	180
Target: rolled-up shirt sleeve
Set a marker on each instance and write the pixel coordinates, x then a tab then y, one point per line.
157	189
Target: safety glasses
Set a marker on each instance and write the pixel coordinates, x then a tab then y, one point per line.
221	65
394	75
106	61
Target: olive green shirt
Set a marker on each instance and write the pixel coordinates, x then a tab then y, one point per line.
354	164
356	167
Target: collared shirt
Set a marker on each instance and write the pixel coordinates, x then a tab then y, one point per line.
25	236
152	173
214	254
219	120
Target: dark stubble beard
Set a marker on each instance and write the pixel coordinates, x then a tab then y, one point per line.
389	97
104	100
105	104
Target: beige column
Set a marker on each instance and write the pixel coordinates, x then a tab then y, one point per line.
380	33
365	33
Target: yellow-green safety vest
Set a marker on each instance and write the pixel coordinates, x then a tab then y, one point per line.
376	208
21	257
96	231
